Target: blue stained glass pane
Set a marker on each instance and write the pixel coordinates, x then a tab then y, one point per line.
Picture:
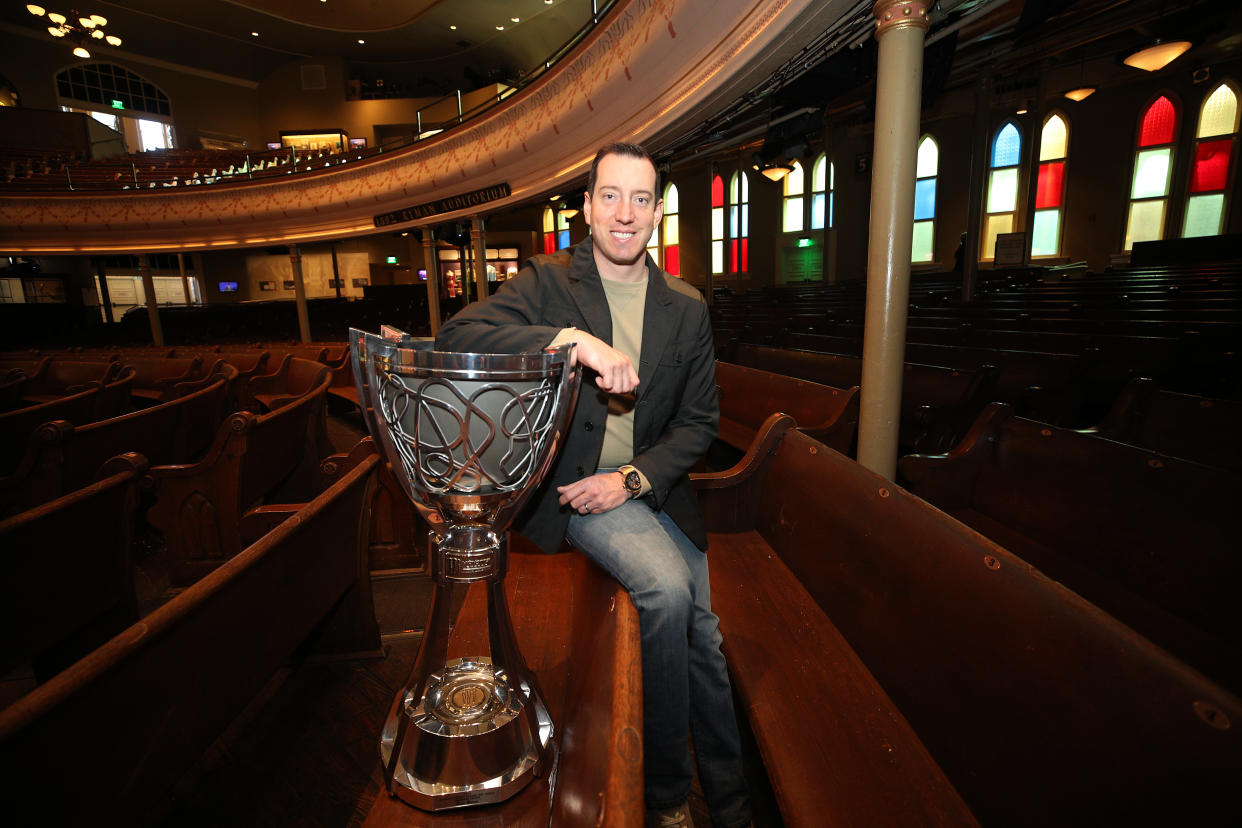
925	199
562	240
745	220
1007	148
817	212
832	206
733	222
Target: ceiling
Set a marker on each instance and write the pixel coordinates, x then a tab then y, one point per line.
413	40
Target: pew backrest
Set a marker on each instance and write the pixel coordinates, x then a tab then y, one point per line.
749	395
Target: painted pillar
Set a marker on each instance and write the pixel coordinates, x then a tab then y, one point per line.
153	307
299	293
900	29
432	264
974	195
105	298
479	244
185	280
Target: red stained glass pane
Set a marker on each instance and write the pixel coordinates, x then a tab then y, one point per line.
733	256
1158	123
672	260
1051	185
717	192
549	242
1211	169
745	263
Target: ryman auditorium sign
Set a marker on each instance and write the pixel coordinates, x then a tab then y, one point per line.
444	205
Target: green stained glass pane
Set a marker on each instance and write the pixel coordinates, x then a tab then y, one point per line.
733	188
1204	214
791	221
1151	173
928	158
1146	222
717	222
1046	234
670	199
1220	113
1003	191
924	235
717	257
995	226
671	230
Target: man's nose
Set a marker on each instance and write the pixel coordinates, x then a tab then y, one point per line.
625	211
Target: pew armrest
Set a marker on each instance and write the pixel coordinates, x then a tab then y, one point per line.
728	498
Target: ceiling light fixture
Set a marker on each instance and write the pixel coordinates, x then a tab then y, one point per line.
500	28
1081	93
773	172
451	26
1158	55
360	40
516	19
86	28
568	212
254	34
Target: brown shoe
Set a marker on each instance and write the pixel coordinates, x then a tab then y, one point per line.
678	817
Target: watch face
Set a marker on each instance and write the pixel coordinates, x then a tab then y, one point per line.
633	483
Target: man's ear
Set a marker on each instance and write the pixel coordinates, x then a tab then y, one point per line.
659	211
586	208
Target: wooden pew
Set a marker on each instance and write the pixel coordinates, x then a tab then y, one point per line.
68	582
1190	427
16	426
60	377
291	379
61	456
1150	538
836	749
937	404
157	376
578	631
138	712
199	507
749	395
12	381
1041	708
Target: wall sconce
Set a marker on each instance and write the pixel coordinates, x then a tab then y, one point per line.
1158	55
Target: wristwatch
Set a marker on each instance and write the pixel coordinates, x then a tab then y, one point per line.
632	479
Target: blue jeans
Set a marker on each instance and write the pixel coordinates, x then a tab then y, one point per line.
685	681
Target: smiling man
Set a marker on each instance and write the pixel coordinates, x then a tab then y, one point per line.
620	489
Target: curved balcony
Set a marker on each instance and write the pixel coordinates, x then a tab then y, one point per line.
649	70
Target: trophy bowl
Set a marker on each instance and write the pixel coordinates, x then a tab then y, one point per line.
469	437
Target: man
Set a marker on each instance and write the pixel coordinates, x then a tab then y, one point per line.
619	489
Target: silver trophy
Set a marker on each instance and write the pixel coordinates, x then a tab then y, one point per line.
470	437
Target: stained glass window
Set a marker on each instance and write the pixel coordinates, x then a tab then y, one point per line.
794	187
739	222
1153	166
562	230
926	168
670	231
1209	171
1050	187
718	233
822	184
1001	200
549	231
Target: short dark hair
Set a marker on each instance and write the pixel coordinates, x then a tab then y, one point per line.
620	148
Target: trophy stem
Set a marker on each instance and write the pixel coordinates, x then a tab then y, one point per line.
474	729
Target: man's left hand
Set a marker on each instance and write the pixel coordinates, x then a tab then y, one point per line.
595	494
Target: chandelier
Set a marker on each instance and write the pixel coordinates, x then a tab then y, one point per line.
79	28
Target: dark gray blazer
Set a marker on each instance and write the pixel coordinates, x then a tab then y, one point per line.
677	412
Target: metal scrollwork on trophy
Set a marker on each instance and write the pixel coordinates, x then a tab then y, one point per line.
470	437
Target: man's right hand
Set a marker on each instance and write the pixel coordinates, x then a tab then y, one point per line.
616	373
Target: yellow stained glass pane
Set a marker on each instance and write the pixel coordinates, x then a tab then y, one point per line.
928	158
1146	222
817	174
794	184
1220	113
717	222
671	232
832	175
1151	173
1053	140
791	221
1003	190
717	257
924	234
562	221
670	199
548	227
995	226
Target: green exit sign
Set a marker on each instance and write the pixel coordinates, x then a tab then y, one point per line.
392	259
804	241
118	105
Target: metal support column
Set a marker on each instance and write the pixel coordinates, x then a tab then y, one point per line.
105	298
900	28
432	265
153	305
972	244
299	293
479	243
185	280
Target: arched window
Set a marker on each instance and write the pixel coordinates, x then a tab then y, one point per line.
823	181
1210	171
562	227
549	231
670	233
926	168
794	187
739	222
119	99
718	204
1153	167
1001	203
1050	187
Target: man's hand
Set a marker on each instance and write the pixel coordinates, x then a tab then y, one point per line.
595	494
616	373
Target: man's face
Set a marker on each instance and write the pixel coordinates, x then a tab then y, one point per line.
624	210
